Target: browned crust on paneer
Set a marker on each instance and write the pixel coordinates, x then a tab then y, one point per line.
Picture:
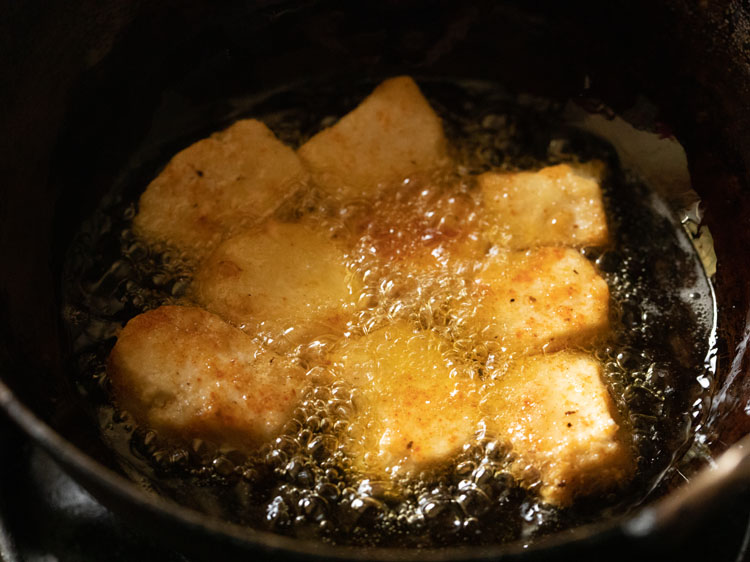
541	300
284	281
218	186
188	374
556	415
557	205
391	135
413	411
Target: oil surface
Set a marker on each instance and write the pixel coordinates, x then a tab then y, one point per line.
302	484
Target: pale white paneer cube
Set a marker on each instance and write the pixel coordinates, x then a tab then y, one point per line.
218	186
413	410
188	374
540	300
282	281
393	134
556	414
558	205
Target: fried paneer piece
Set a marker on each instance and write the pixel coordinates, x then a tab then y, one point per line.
283	281
413	411
542	299
218	186
557	416
391	135
558	205
188	374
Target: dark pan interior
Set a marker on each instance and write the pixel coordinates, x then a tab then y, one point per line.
88	79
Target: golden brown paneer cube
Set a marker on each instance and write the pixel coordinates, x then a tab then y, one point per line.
557	416
188	374
283	281
393	134
558	205
413	411
541	300
218	186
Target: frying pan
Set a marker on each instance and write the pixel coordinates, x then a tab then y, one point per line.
85	82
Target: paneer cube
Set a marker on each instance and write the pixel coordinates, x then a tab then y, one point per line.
541	300
282	281
218	186
188	374
558	205
556	414
413	410
391	135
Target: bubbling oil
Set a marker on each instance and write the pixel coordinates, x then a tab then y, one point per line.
304	483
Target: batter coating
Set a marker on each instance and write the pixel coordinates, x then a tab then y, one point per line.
188	374
557	205
284	281
391	135
217	187
541	300
415	410
555	413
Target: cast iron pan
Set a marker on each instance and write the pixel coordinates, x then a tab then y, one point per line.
82	85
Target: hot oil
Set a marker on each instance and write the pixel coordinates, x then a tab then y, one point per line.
304	483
